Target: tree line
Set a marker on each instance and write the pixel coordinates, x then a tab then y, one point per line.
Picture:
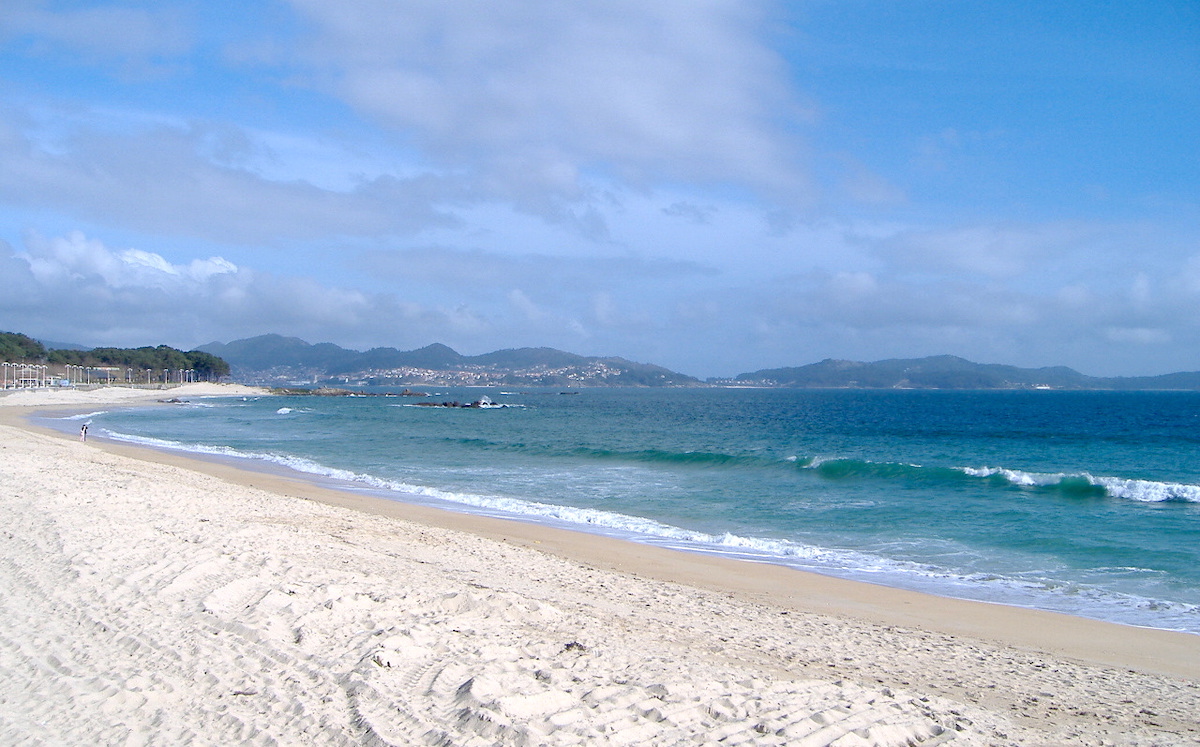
19	348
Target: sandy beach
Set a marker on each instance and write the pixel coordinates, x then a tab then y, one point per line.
149	598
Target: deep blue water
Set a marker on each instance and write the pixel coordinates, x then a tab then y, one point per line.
1082	502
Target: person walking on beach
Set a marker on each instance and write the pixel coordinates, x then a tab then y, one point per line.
83	432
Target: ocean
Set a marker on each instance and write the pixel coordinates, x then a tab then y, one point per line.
1080	502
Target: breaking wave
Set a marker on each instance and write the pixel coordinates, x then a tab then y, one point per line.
1082	483
85	416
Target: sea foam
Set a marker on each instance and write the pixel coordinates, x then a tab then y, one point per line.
85	416
1146	491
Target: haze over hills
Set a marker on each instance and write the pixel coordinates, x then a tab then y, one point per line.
275	359
951	372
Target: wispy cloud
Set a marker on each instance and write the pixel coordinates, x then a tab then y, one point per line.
136	42
537	96
179	178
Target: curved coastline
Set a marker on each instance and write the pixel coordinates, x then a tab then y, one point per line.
1166	615
879	637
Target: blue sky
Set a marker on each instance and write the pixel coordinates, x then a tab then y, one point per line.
713	186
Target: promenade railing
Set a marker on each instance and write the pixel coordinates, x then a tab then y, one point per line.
45	376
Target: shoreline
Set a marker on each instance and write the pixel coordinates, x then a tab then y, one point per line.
879	603
1050	631
883	637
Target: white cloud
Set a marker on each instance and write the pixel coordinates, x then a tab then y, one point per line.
999	252
167	177
537	94
77	259
203	269
138	40
77	288
525	306
138	258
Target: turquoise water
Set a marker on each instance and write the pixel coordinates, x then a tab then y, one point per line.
1081	502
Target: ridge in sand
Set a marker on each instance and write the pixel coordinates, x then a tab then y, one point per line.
149	599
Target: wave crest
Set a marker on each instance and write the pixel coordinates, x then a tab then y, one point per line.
85	415
1075	484
1083	483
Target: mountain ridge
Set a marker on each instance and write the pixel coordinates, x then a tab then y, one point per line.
275	358
952	372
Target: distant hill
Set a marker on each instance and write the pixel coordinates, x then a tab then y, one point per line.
436	357
269	351
16	347
50	345
275	359
951	372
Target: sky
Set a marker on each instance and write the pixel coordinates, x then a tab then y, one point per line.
716	186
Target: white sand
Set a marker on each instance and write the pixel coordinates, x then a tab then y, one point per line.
70	397
147	603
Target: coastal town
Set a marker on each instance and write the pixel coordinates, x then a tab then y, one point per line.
591	374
